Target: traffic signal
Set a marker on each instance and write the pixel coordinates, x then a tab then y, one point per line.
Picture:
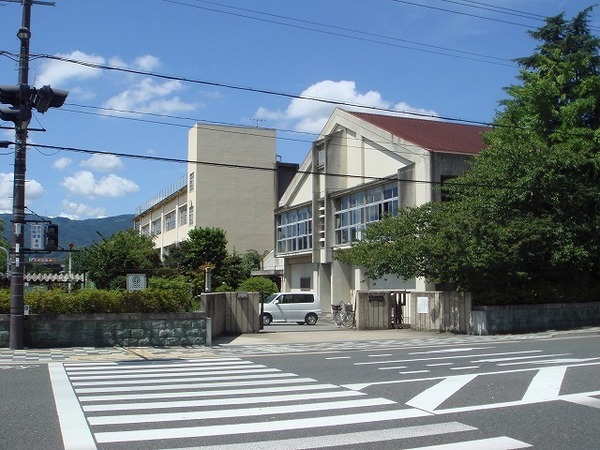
48	97
51	241
19	98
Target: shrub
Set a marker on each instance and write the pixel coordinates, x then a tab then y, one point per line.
162	295
259	284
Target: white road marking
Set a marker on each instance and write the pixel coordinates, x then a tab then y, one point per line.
516	358
450	350
582	400
499	443
443	357
181	386
171	374
220	401
437	394
337	440
256	427
545	384
73	426
236	413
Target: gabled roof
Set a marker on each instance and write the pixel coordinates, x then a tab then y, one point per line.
433	135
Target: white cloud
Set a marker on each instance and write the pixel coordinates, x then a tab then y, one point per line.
150	96
85	184
103	163
33	190
76	211
62	163
146	62
311	116
57	73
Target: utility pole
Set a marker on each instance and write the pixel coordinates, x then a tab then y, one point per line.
15	336
22	97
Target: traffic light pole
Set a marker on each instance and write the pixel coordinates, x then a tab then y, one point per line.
17	253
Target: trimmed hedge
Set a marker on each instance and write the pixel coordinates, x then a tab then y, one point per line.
161	296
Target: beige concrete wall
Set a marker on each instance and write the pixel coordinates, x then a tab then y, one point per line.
236	187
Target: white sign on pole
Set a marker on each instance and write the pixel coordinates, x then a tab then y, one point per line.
136	282
37	237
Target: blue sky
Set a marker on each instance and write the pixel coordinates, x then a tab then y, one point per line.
225	61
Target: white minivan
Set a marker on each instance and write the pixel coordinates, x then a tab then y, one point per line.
299	307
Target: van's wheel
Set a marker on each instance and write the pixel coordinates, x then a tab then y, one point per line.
267	319
311	319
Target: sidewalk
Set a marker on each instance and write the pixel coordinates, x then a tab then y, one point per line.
270	340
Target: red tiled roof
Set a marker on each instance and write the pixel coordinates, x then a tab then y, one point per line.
433	135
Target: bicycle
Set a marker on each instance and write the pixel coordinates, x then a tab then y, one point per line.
343	315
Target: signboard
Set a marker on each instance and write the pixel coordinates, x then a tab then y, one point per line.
422	305
136	282
37	236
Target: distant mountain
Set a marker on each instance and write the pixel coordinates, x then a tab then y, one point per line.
82	233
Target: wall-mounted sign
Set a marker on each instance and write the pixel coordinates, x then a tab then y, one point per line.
422	305
376	298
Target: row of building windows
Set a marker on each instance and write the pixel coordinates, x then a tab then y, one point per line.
294	230
186	215
355	211
352	213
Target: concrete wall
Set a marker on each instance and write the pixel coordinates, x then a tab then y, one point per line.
423	311
107	330
232	312
530	318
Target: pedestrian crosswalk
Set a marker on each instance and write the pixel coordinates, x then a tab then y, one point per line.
228	403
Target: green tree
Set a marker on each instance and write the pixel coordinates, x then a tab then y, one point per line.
259	284
109	261
527	214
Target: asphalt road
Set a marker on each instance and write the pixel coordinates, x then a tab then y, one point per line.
438	393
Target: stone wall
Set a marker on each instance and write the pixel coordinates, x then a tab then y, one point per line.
531	318
107	330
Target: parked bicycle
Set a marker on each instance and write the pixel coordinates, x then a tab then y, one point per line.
343	315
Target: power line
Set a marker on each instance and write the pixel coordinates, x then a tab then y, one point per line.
254	90
372	37
258	168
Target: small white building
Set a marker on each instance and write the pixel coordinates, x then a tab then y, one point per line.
362	166
232	183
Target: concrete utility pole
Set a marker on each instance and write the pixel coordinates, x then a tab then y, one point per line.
22	98
16	279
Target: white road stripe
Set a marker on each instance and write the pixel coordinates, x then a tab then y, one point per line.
163	369
450	350
437	394
582	400
220	401
181	386
516	358
188	377
444	357
75	431
72	368
499	443
169	374
257	427
545	384
337	440
236	413
209	393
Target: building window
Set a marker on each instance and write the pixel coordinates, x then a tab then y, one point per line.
170	222
354	211
155	227
191	214
294	230
183	215
191	184
145	230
